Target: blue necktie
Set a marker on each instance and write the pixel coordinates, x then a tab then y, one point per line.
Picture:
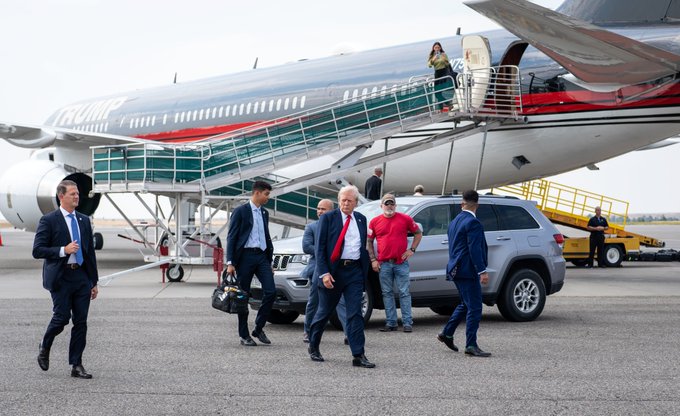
76	237
260	230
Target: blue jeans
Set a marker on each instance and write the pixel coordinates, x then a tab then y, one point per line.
391	273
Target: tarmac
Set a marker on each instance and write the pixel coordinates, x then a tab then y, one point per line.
605	345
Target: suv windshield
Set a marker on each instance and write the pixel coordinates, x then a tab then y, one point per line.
372	209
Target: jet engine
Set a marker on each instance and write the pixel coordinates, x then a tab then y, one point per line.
28	190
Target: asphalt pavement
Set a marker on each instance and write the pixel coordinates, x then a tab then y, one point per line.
605	345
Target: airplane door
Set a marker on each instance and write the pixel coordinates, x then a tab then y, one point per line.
477	62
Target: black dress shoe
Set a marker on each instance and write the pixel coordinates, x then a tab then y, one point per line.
79	372
248	342
388	328
362	361
43	358
262	337
315	355
447	341
476	352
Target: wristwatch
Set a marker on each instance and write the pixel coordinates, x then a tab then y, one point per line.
413	249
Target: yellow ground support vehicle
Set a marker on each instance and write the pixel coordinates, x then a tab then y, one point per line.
573	207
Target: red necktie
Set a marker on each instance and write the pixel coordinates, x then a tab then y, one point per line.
341	239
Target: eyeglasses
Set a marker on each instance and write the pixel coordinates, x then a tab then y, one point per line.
388	203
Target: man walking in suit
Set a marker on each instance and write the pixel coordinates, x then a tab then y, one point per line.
64	240
468	258
249	252
341	269
308	245
372	189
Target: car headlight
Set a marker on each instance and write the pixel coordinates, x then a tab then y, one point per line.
301	258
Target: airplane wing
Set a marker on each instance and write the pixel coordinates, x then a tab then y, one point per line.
590	53
38	137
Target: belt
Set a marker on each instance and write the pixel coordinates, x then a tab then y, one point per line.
253	249
391	261
73	266
347	262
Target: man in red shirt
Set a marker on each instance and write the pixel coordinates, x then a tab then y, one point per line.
391	260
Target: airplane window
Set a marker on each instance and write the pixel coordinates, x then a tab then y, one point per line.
302	101
262	105
278	105
285	105
195	115
219	113
214	112
106	126
248	108
176	117
148	121
165	118
233	110
131	123
393	90
181	117
255	107
240	110
374	92
345	96
136	123
364	92
153	120
383	91
295	102
355	94
226	111
200	115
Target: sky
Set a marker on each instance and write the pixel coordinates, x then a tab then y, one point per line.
55	52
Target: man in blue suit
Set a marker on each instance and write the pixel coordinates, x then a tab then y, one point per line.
64	240
468	259
249	253
341	269
308	245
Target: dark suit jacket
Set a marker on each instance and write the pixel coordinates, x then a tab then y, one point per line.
308	246
372	188
51	236
467	247
330	227
240	225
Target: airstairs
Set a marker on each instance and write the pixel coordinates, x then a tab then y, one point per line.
217	172
572	207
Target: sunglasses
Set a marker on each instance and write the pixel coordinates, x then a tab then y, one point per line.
388	203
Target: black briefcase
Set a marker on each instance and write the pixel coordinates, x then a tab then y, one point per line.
228	297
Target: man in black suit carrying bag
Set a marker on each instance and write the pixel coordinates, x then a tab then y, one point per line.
249	253
64	240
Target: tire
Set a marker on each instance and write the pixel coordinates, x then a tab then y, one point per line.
579	262
446	310
366	309
282	317
523	296
98	240
613	255
175	273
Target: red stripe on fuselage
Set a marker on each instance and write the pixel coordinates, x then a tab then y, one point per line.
192	135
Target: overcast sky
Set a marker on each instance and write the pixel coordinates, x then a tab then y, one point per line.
58	51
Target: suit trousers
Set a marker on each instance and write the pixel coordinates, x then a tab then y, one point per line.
70	300
469	308
255	263
313	305
596	242
349	283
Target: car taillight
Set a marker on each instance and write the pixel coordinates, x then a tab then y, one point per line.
559	239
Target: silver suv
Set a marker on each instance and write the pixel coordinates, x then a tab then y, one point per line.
525	260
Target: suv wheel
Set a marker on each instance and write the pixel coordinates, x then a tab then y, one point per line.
283	317
366	308
523	296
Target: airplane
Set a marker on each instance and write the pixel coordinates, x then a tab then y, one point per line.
598	80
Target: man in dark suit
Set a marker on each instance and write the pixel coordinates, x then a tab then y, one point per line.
372	189
468	259
249	252
64	240
341	269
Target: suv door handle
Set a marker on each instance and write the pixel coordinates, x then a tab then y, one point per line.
503	238
445	242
